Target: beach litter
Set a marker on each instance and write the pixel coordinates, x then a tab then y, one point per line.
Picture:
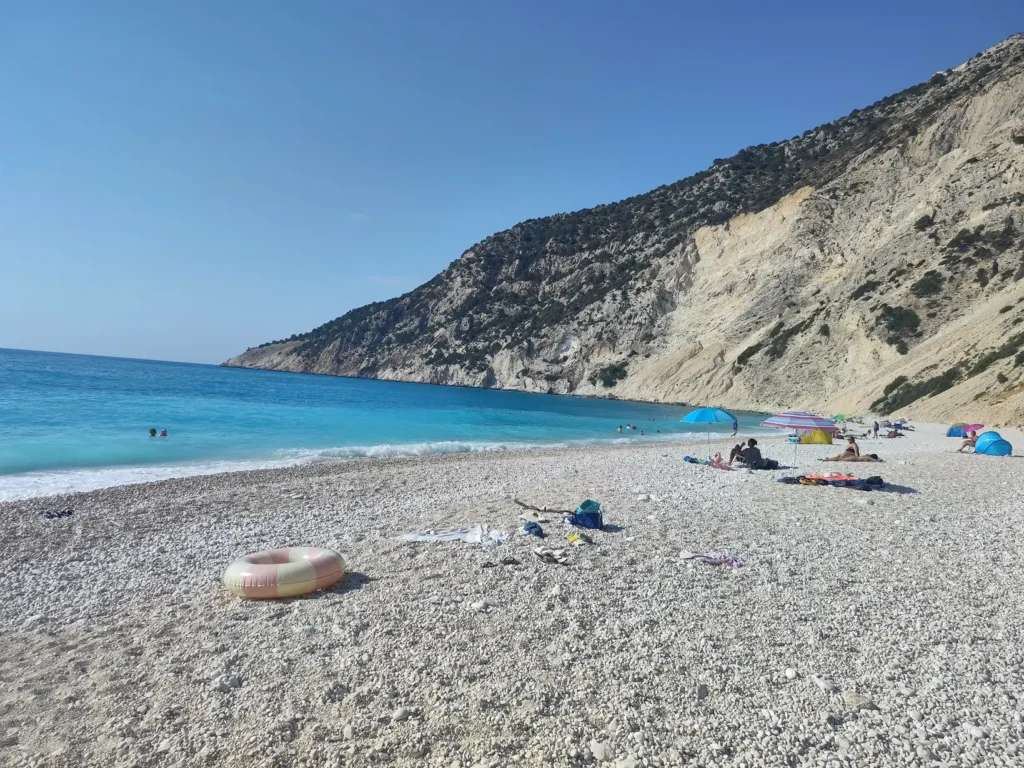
533	516
712	558
503	561
539	510
477	534
57	515
579	539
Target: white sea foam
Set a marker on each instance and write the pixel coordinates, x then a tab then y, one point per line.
31	484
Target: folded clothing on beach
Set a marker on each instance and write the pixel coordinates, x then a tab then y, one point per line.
837	481
533	529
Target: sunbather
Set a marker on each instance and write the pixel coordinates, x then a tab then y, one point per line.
852	453
852	450
751	456
741	452
845	457
969	442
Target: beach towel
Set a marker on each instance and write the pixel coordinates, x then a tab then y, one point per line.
478	534
716	463
836	481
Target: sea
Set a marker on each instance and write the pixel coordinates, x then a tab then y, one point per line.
79	422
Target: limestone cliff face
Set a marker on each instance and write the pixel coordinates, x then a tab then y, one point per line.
875	263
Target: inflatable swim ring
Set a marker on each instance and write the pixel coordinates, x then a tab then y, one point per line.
284	572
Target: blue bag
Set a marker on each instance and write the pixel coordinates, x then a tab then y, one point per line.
588	515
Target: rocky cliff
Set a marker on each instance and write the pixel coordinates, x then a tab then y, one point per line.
873	263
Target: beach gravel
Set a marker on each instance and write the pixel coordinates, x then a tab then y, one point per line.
884	634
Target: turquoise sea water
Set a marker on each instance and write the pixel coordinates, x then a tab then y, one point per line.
74	422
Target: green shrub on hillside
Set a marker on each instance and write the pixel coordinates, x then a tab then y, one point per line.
609	375
905	393
924	222
929	285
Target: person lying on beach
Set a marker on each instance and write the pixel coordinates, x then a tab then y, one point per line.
895	433
847	457
969	442
852	452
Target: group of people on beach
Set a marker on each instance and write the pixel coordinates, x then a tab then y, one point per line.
750	455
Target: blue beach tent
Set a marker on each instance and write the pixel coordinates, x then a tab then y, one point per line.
955	431
992	444
984	440
997	448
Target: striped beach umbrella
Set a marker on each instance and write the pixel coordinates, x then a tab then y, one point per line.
801	421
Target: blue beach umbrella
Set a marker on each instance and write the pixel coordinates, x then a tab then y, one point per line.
708	416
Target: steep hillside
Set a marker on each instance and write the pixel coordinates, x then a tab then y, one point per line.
872	263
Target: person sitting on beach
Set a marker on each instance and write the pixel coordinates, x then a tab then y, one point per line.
749	454
736	452
152	431
968	442
851	453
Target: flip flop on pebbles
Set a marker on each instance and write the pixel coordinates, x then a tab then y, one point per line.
553	556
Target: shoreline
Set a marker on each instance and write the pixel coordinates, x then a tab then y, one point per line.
163	472
872	627
467	386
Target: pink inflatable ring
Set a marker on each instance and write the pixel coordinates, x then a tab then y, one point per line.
284	572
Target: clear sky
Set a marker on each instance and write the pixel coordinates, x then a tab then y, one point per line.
181	180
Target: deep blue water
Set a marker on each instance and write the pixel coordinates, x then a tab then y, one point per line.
73	422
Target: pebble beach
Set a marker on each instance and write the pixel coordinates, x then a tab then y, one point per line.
876	628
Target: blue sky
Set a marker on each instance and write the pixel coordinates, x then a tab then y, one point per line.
183	180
